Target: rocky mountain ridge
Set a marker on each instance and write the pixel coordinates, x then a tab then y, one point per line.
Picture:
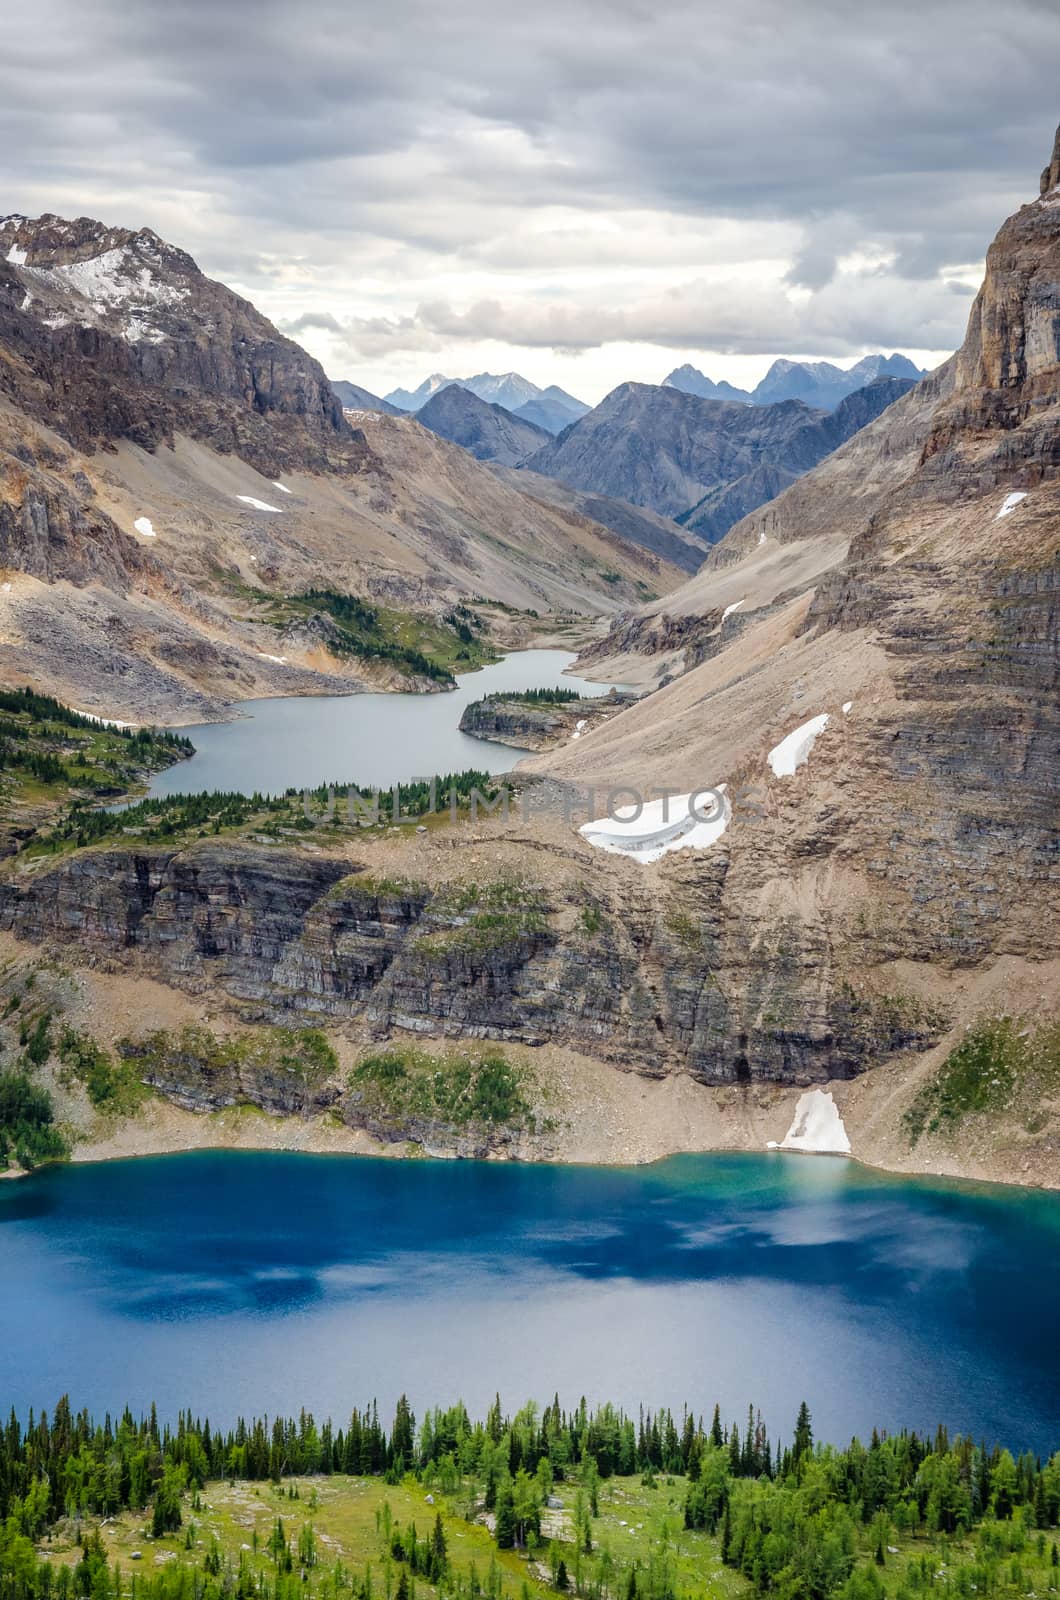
484	428
172	469
703	462
818	383
897	609
551	408
115	334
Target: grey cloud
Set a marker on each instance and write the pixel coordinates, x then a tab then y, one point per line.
850	312
913	126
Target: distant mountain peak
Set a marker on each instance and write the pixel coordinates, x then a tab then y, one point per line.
486	430
552	409
355	398
154	314
689	380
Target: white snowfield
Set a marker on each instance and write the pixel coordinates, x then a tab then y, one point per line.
578	726
259	505
114	279
281	486
648	832
730	609
847	704
16	256
281	661
144	525
794	749
816	1127
1011	501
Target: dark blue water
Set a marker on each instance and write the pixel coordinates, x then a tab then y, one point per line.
238	1282
375	740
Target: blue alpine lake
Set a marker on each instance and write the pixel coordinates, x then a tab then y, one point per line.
238	1282
374	740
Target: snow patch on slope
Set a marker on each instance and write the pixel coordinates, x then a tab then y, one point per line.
1010	503
648	832
794	749
115	279
816	1127
259	505
144	525
730	609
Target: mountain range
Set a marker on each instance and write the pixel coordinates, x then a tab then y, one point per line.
173	472
704	462
818	383
552	409
695	462
865	669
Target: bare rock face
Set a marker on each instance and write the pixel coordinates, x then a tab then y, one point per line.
706	462
537	726
488	431
1051	172
119	335
650	982
1009	365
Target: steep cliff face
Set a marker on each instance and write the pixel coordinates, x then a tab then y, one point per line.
909	589
653	976
117	334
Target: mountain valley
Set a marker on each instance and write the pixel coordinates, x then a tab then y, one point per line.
890	616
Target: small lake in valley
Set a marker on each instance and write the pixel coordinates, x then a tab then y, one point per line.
241	1282
375	740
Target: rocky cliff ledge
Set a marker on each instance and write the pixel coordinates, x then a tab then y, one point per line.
539	724
657	976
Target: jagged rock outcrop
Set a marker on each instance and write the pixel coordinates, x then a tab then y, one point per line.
117	334
533	725
1051	172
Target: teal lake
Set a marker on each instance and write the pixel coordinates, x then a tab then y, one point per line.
244	1282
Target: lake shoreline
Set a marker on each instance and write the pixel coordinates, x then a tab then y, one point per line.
239	1130
710	1271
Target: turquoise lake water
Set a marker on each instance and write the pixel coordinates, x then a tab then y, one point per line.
245	1282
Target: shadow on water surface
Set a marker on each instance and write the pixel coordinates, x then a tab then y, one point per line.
735	1271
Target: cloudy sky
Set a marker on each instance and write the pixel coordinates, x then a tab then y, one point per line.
584	190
